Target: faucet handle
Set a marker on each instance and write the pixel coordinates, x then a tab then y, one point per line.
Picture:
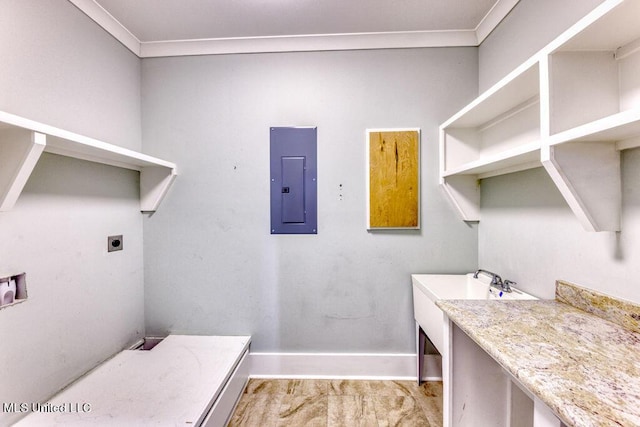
506	286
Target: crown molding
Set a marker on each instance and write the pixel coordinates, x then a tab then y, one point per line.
493	18
296	43
110	24
308	43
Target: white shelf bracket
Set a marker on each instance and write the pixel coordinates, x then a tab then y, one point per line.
22	141
20	150
464	193
155	182
587	174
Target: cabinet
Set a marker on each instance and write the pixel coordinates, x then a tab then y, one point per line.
22	141
477	388
570	108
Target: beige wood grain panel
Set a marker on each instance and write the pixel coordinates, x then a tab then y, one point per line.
393	179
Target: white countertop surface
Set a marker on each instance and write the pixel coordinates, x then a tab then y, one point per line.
174	384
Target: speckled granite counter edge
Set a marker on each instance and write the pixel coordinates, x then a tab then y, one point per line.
460	316
592	400
622	312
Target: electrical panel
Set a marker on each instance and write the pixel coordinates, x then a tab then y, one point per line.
294	201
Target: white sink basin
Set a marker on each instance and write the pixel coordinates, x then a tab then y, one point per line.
428	288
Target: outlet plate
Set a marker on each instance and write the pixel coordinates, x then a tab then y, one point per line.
21	288
114	243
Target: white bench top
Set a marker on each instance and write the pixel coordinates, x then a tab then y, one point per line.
174	384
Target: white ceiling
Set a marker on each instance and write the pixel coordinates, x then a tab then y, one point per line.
187	27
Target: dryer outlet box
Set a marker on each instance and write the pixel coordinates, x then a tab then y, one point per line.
114	243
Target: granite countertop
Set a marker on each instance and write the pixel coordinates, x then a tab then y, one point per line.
579	353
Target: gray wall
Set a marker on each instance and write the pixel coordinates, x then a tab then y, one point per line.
59	68
212	267
528	232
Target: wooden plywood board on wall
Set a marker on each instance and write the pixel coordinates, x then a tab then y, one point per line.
393	157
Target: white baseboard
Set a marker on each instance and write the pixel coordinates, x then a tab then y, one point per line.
364	366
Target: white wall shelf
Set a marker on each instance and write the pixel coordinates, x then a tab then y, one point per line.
621	128
499	132
569	108
22	141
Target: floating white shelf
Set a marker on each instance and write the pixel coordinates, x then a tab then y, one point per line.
515	159
22	141
497	133
569	108
621	128
514	89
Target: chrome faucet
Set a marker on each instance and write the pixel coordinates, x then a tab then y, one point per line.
496	281
506	286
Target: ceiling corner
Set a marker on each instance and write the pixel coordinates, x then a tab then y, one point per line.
111	25
492	19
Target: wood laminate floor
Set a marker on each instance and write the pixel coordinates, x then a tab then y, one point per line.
333	403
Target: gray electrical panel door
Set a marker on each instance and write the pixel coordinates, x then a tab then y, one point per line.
294	201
